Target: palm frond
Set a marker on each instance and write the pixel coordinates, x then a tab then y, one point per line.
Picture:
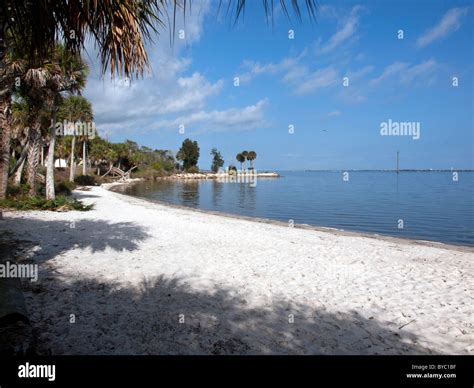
121	29
237	8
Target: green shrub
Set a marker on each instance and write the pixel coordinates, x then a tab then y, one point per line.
168	165
192	170
17	191
149	174
157	166
85	180
61	203
64	188
164	165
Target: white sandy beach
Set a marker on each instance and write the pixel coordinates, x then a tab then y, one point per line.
143	278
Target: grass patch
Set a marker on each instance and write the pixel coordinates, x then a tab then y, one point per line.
150	173
61	203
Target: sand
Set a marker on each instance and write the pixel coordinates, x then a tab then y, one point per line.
135	277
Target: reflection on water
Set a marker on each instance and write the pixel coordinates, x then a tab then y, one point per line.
247	196
189	193
216	193
431	205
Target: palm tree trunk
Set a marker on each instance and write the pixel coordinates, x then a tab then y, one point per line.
18	173
50	193
25	145
5	135
84	164
32	160
5	114
72	166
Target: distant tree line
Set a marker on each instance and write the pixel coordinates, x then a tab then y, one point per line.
189	153
103	155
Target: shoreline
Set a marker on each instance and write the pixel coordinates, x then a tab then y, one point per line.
130	270
318	228
220	176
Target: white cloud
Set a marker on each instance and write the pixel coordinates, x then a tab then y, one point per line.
389	71
405	73
361	73
115	101
450	22
418	71
233	119
191	22
346	31
327	11
193	92
352	95
296	73
334	113
254	69
321	78
170	96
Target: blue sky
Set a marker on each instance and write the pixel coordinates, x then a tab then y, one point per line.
300	82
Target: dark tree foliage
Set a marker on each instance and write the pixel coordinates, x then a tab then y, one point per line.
217	160
188	154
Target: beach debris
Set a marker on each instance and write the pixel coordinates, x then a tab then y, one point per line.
406	324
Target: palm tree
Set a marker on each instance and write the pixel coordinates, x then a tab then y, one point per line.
38	122
29	93
241	159
40	92
61	149
76	109
245	153
71	74
251	156
100	152
120	30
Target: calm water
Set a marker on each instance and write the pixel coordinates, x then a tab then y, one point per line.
431	205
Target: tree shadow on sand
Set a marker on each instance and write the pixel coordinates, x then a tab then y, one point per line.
52	238
167	316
